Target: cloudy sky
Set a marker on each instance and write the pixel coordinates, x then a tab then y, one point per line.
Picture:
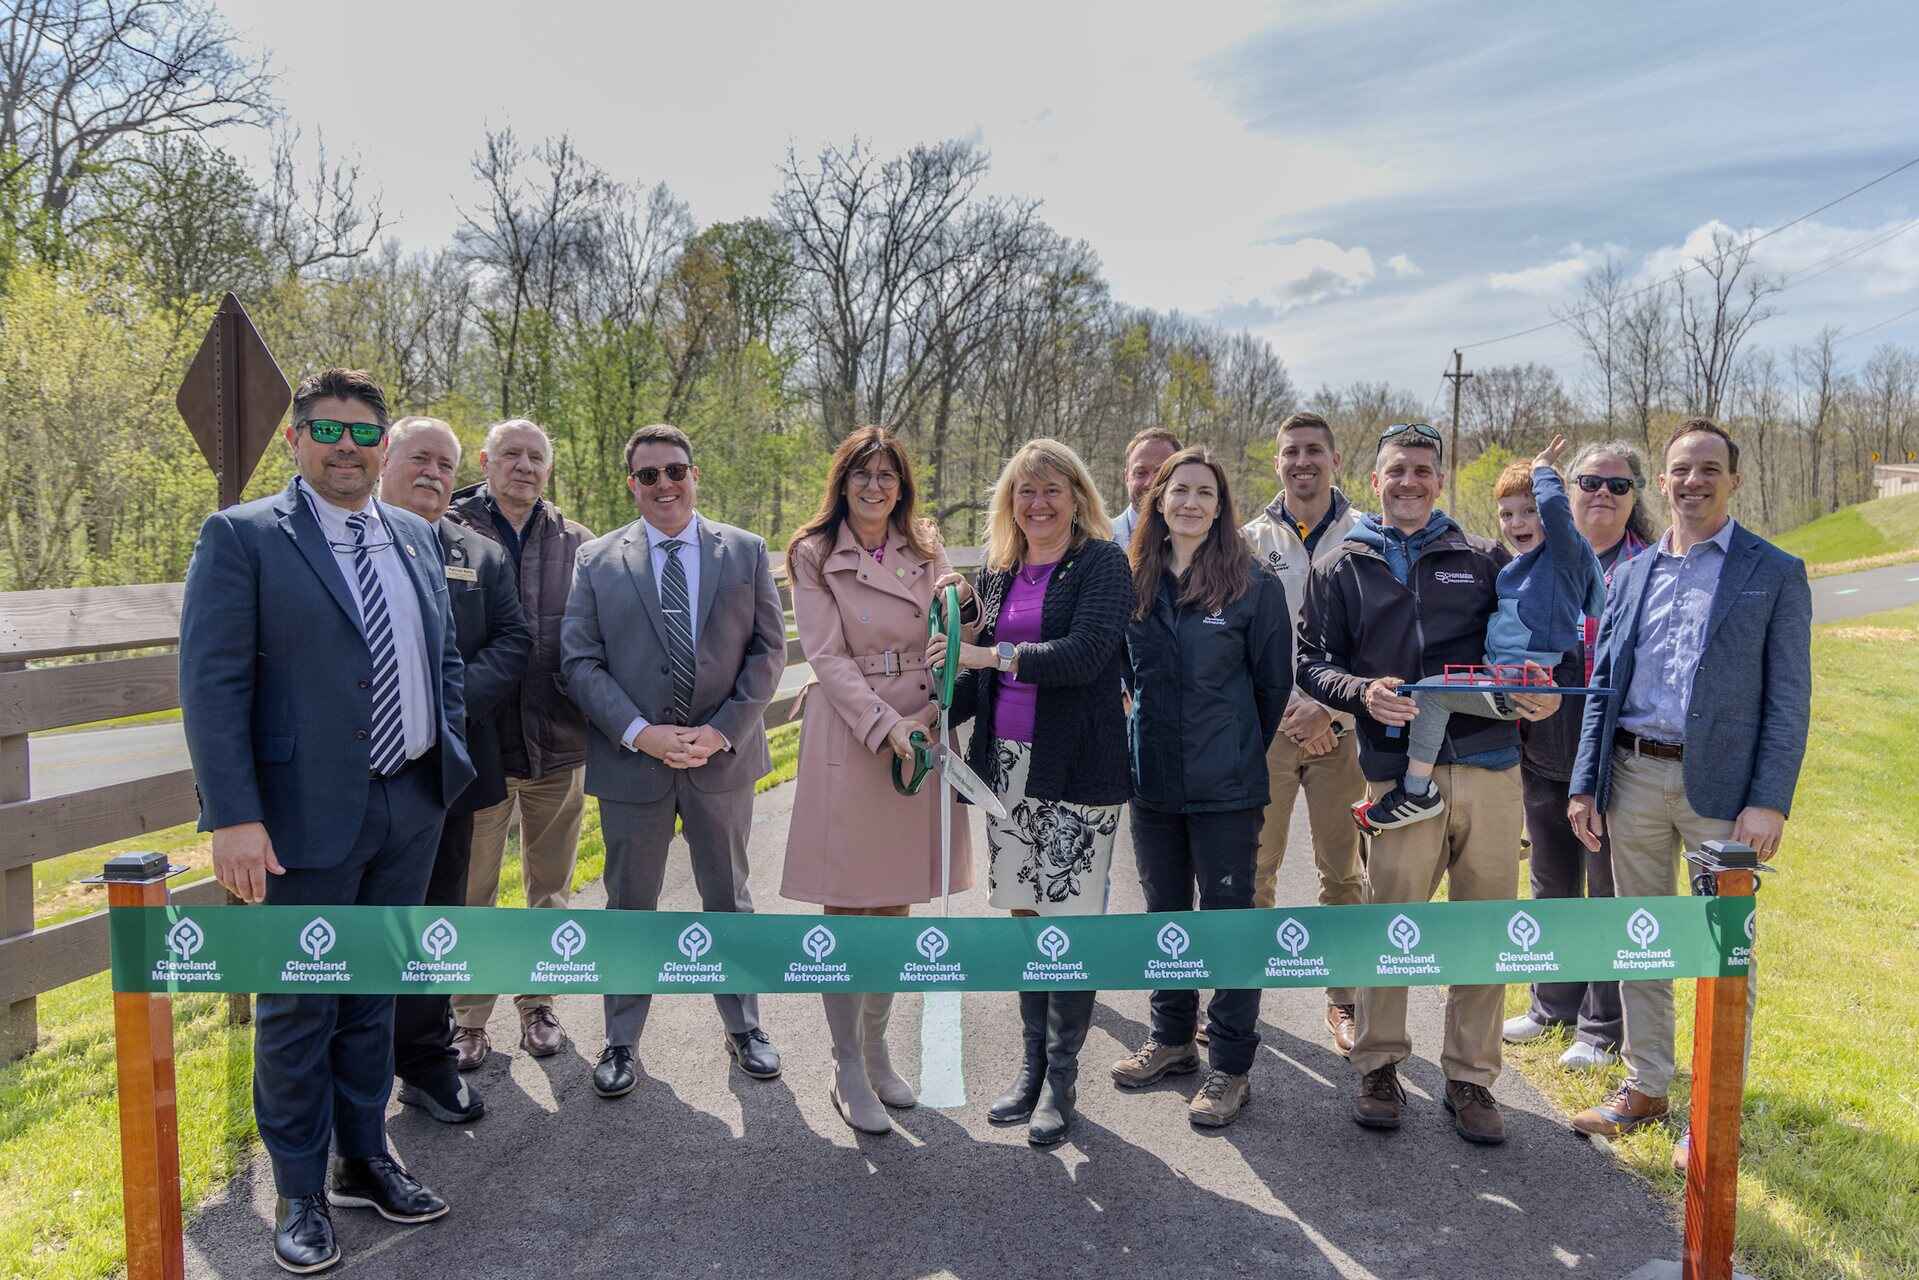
1366	184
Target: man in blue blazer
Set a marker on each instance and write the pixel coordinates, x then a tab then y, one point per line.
322	690
1707	636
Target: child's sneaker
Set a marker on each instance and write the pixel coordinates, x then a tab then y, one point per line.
1397	808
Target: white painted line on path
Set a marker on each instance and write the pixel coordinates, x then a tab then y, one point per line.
942	1079
1849	591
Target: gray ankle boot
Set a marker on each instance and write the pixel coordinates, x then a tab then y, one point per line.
876	1008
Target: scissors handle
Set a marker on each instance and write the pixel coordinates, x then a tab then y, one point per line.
922	765
942	619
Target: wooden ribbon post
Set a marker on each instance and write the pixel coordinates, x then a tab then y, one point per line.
1725	869
149	1116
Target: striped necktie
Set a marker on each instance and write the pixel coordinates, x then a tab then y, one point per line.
679	628
388	750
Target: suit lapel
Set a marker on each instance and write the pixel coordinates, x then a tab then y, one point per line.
1742	557
638	558
1638	572
299	524
712	556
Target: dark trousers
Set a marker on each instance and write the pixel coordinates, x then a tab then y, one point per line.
1216	851
323	1065
1563	868
423	1025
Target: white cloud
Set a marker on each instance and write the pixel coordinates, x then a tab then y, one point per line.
1402	265
1550	279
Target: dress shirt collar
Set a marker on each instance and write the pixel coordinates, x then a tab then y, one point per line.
690	535
333	518
1722	540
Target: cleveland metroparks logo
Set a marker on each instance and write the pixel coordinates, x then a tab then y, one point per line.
1403	933
318	937
439	938
1293	937
568	940
1643	928
1523	930
186	937
1053	942
932	943
1174	940
819	943
694	941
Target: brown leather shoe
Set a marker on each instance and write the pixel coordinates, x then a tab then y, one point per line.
1624	1110
1475	1114
540	1033
470	1047
1341	1021
1380	1099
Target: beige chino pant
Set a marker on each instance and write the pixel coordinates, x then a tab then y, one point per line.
1474	844
1333	785
549	810
1651	824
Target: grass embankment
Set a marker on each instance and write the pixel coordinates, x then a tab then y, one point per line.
59	1127
1881	532
1829	1166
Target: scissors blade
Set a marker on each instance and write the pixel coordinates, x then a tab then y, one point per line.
968	783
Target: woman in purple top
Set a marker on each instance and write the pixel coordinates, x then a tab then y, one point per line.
1042	687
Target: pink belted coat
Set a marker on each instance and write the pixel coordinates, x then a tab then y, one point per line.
855	841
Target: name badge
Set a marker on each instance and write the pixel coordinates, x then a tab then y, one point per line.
458	574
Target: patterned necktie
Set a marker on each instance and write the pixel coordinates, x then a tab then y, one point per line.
388	751
679	628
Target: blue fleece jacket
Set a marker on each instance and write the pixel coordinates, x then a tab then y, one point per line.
1546	594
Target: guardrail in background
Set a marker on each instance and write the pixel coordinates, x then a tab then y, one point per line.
94	622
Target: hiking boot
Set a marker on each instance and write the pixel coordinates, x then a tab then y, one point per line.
1624	1110
1152	1061
1397	808
1220	1099
1475	1114
470	1047
1380	1099
1342	1021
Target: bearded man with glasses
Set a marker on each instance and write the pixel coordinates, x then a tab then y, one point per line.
673	645
322	692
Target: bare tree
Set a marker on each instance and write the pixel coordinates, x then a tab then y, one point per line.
1759	396
1508	406
1645	346
321	219
79	79
1887	385
1815	369
1596	322
1716	316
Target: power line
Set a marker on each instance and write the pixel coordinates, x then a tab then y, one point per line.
1702	262
1882	324
1813	270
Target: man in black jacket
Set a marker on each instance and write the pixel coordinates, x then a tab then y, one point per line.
1407	593
490	629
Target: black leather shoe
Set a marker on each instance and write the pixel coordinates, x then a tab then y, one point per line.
448	1099
303	1235
613	1075
755	1053
380	1184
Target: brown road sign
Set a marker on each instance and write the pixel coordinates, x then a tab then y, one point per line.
233	397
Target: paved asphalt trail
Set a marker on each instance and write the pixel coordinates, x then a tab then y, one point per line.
704	1172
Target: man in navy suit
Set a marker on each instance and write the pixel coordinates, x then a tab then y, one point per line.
322	693
1707	636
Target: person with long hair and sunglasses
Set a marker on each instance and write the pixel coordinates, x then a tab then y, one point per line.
862	570
1043	689
1210	669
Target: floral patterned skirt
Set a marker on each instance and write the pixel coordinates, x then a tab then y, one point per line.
1049	856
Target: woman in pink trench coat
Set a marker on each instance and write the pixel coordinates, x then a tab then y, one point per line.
862	571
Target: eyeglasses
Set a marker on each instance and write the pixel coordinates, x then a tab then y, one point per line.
1423	430
1618	486
329	431
650	476
876	479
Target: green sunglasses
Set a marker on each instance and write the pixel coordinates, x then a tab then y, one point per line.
329	431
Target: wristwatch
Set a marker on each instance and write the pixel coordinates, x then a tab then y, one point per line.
1005	653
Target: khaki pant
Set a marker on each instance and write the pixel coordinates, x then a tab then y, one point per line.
549	810
1474	844
1650	823
1333	785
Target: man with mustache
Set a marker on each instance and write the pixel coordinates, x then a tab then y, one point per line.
1707	636
1315	750
423	455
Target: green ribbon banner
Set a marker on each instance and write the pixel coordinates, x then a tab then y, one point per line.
377	950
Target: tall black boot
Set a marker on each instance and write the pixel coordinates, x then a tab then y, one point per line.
1069	1015
1017	1103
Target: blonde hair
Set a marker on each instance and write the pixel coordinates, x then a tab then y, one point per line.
1005	544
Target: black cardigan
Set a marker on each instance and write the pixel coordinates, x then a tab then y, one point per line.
1079	730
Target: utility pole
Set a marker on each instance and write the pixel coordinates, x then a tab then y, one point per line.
1458	378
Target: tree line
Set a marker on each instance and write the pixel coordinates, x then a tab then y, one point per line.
895	288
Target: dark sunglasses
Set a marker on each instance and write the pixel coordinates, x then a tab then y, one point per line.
650	476
1618	486
328	431
1419	428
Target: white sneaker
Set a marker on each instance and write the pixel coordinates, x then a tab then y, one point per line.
1521	1029
1586	1057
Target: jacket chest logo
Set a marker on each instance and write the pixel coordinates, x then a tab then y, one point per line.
1454	578
1217	618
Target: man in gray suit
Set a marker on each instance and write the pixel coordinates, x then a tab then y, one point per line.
673	645
1707	636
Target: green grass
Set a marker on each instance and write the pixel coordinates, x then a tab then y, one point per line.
1883	531
59	1127
1829	1165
